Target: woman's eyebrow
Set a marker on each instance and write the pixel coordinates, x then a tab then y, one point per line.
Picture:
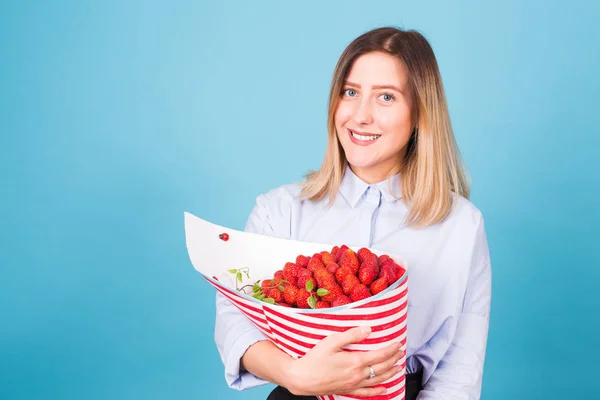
396	88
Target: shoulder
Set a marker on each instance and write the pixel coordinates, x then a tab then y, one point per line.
281	197
465	214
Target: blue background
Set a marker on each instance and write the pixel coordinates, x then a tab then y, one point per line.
116	117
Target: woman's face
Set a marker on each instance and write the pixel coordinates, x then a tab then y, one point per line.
373	118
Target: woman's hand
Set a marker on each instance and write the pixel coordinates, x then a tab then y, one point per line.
327	369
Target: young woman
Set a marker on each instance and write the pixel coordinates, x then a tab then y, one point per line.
392	179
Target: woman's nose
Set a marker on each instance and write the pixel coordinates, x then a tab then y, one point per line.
362	113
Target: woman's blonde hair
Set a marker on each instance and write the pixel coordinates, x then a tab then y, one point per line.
432	168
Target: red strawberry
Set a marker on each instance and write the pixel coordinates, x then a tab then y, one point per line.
278	276
340	251
314	263
290	273
303	280
400	271
332	267
340	301
341	274
302	261
321	274
304	271
302	298
387	261
379	285
359	292
326	257
322	304
334	291
318	256
349	283
388	272
289	294
365	254
367	273
349	259
267	285
383	258
276	295
334	252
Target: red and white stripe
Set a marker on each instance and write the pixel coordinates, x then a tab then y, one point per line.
296	330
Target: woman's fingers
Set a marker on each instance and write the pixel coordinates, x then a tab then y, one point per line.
354	335
388	374
378	356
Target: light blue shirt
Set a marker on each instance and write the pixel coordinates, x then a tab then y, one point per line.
449	278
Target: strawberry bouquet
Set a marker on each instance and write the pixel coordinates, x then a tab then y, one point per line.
297	293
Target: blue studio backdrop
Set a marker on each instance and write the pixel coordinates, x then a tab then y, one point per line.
118	116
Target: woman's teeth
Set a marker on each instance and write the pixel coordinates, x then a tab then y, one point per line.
365	138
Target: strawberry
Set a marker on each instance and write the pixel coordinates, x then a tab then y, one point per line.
318	256
290	273
334	252
341	274
359	292
304	271
276	295
302	298
314	263
334	291
303	280
322	304
400	271
379	285
332	267
367	273
289	294
387	261
383	258
365	254
340	301
388	272
321	274
302	261
349	283
278	276
326	257
349	259
283	304
340	251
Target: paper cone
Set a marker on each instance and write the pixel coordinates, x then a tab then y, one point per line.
296	330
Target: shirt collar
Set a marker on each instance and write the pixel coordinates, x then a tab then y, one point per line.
353	188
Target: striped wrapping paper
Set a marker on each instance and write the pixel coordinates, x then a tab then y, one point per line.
293	330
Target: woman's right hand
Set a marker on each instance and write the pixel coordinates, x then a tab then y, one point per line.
328	369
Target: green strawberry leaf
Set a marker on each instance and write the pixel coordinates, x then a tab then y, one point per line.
239	276
256	287
312	301
261	296
281	288
272	282
269	300
322	292
232	271
309	285
257	295
247	274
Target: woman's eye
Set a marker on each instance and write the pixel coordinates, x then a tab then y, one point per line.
387	97
350	92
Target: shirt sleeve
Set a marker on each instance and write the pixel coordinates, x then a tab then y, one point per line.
234	333
460	371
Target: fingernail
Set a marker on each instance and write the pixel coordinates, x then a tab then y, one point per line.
366	329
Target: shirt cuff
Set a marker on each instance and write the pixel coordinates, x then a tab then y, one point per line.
241	379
